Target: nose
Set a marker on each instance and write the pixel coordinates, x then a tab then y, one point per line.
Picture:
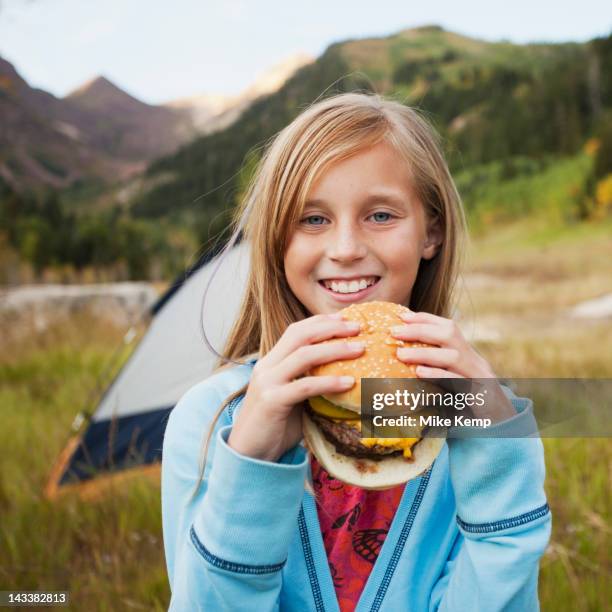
346	244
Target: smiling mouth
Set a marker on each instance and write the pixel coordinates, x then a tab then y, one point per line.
348	287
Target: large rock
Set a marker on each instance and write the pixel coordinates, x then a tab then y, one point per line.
122	303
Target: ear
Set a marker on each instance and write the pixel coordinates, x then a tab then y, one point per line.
434	238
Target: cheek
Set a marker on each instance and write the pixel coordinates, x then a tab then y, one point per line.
297	259
401	251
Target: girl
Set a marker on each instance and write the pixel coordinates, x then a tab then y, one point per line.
354	188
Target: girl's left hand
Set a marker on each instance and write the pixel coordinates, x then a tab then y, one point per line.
452	356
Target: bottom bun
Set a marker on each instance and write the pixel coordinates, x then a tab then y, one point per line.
366	473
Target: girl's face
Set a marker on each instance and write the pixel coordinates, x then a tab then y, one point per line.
361	222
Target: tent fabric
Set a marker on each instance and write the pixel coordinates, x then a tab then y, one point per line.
127	427
206	257
118	444
172	355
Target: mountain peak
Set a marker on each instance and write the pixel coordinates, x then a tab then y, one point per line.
272	79
97	84
100	93
213	111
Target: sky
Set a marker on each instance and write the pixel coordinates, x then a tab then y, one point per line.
159	50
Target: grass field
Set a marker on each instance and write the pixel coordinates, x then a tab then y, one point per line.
109	553
523	281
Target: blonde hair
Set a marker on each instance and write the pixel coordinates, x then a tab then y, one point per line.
328	131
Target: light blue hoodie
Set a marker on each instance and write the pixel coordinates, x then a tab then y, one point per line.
467	536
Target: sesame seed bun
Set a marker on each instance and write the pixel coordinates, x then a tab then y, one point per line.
379	360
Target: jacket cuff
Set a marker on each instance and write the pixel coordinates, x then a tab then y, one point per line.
251	506
497	480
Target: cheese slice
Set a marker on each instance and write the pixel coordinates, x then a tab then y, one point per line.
325	408
403	444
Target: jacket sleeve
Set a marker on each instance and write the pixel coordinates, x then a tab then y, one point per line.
503	518
225	549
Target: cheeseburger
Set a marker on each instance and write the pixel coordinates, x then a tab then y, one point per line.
332	422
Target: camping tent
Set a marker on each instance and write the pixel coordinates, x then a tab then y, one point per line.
124	434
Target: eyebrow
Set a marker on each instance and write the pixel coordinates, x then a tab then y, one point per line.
390	198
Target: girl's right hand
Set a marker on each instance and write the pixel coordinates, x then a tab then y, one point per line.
270	420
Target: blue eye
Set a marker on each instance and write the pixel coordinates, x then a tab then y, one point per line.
382	213
312	217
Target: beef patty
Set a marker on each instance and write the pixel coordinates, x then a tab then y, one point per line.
346	439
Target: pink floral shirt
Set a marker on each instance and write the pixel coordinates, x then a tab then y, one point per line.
354	524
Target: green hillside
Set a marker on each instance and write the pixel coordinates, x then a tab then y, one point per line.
489	100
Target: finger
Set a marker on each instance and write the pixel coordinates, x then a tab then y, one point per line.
311	386
421	332
428	372
309	331
306	357
422	317
429	356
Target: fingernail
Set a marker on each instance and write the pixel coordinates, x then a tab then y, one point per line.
355	346
407	315
398	329
353	325
346	380
404	352
336	315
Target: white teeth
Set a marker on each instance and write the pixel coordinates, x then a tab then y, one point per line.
349	287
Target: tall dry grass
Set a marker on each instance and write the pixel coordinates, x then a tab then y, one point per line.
107	553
